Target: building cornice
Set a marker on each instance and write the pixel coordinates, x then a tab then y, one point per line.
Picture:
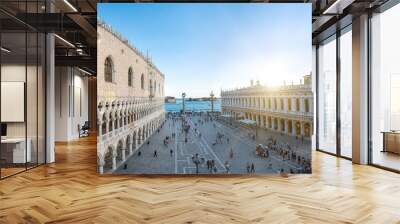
128	44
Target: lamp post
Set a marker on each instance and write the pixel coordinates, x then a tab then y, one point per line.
183	102
212	102
196	162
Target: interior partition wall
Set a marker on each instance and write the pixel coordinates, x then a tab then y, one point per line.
22	77
334	94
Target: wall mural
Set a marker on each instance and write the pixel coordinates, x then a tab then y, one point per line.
209	89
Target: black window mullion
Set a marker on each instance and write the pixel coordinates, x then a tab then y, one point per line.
316	97
0	92
37	91
26	86
338	73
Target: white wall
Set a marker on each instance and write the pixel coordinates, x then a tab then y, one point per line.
70	84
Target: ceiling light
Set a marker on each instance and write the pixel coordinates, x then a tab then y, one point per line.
338	6
5	50
70	5
64	40
86	72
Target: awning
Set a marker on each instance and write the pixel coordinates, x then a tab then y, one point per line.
248	122
226	115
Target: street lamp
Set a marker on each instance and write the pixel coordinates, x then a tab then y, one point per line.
183	102
212	102
197	162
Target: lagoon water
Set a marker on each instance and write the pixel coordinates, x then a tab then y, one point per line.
195	106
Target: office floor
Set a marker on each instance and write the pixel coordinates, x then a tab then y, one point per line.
70	191
387	159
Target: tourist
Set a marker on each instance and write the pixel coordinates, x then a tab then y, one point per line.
139	153
253	170
227	167
227	140
155	153
248	167
125	166
148	142
171	152
231	153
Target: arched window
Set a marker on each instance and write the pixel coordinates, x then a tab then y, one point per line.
306	106
142	81
151	86
297	104
108	70
130	76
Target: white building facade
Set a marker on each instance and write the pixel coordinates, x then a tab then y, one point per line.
286	109
130	99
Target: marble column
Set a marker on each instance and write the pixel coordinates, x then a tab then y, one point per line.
100	129
101	163
123	154
293	127
114	160
130	147
286	126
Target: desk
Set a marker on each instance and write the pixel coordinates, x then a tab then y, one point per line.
391	141
13	150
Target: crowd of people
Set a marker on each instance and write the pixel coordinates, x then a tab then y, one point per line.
191	125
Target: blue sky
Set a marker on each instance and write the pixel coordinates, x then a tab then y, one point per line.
208	47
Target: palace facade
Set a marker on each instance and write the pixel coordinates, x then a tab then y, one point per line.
130	98
287	109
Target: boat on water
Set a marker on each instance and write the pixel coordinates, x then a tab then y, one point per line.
170	99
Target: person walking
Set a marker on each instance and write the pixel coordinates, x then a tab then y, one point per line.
139	153
248	167
231	153
215	169
227	167
171	152
253	170
155	153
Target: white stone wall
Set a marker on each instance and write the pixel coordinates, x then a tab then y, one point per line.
247	103
127	115
124	56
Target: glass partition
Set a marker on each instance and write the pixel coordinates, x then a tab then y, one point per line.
13	86
22	98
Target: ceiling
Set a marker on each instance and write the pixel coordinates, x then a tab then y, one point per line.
75	21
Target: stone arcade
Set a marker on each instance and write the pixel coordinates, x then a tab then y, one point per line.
286	109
